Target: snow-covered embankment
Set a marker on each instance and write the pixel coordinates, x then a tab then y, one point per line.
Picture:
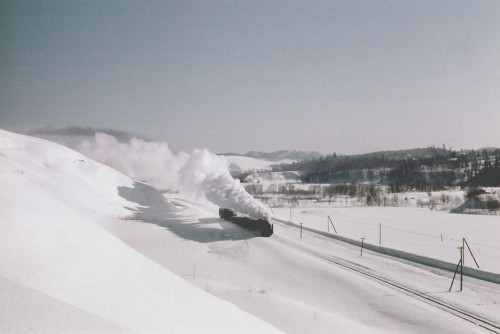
62	271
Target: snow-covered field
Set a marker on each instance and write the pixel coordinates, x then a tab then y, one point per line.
435	234
84	248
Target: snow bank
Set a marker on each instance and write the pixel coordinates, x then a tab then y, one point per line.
55	251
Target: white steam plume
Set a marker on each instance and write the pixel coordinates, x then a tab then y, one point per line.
201	174
151	162
208	174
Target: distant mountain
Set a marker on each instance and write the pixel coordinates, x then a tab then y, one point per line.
284	155
414	153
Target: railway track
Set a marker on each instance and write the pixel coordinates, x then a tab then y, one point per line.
338	262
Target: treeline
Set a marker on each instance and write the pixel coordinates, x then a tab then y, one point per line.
352	194
428	169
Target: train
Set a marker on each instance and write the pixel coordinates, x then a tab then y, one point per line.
266	229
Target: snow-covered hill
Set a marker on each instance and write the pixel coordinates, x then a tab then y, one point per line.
85	249
240	163
62	268
283	155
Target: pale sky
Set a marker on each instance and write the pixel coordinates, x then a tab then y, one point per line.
233	76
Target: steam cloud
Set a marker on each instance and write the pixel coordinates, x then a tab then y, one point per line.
201	174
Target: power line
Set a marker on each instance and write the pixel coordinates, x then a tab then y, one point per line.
416	233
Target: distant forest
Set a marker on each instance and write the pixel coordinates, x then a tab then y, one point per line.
423	169
279	155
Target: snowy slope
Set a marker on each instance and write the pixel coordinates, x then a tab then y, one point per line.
83	248
61	270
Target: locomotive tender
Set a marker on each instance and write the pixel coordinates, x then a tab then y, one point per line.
266	229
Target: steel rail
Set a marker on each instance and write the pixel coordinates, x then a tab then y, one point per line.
463	314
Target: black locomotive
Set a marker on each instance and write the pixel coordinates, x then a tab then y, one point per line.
266	229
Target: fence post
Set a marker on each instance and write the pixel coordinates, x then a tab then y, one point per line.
301	230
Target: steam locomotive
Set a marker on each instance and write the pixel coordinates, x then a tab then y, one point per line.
266	229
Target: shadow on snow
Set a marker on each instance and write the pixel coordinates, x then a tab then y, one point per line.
155	209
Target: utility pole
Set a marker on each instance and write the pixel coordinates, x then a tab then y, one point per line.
301	230
362	244
463	250
461	267
380	234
